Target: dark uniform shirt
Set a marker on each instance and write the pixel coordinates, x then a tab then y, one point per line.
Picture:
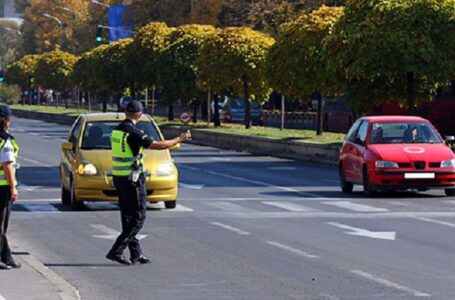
136	138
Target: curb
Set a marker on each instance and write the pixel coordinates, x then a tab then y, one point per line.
318	153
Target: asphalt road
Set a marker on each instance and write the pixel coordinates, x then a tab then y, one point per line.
247	227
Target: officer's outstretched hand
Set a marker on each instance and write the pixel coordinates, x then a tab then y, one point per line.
14	194
186	136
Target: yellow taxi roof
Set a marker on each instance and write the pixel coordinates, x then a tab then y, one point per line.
110	117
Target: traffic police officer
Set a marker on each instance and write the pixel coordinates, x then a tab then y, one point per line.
8	192
128	144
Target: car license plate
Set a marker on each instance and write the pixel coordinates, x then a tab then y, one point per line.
419	175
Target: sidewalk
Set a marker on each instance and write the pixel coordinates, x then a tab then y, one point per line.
33	281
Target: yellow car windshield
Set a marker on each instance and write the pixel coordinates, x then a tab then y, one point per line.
97	135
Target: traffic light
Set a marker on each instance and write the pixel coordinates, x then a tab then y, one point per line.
99	35
2	76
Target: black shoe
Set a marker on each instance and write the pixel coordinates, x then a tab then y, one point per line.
118	258
141	260
14	265
4	266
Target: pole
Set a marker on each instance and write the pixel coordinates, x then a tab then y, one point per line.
282	112
153	100
146	98
208	108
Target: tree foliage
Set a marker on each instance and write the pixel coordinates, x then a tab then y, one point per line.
42	34
53	70
295	65
22	71
178	62
150	41
393	50
11	40
172	12
233	61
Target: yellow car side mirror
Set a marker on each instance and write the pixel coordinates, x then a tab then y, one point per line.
67	146
175	147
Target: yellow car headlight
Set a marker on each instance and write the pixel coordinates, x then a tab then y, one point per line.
87	169
165	169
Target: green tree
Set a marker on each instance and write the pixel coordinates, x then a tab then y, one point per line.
393	50
178	64
11	40
172	12
295	64
22	72
234	61
54	69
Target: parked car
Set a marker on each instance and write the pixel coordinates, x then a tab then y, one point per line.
396	153
86	162
234	111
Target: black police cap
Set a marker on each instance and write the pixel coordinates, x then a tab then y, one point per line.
5	111
134	107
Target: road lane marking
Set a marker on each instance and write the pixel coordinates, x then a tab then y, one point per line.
230	228
289	206
220	158
180	208
282	168
390	284
1	297
260	183
382	235
39	163
443	223
191	186
356	207
111	234
292	250
227	206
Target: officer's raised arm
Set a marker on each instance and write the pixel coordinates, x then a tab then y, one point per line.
166	144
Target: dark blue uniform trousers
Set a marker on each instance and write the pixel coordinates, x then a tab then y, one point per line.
133	209
5	211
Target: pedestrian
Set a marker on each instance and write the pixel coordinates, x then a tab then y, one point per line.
8	191
128	144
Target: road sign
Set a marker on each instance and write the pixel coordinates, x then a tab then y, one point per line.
185	117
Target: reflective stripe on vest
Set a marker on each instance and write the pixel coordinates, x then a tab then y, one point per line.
3	179
123	158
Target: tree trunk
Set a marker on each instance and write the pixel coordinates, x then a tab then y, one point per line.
411	93
246	99
283	109
170	113
195	108
104	102
216	111
319	118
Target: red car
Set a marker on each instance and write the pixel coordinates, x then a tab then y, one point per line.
387	153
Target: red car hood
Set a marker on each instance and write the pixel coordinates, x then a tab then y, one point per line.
412	152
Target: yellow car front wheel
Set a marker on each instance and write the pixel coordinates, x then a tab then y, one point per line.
170	204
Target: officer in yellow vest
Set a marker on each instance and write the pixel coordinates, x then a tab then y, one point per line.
8	192
128	144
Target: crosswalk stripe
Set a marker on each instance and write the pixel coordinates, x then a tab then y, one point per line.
227	206
289	206
355	206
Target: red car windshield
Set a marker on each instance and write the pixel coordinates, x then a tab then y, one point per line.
403	133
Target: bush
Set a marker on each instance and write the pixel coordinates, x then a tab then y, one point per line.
10	94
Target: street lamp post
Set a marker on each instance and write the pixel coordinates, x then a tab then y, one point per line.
100	3
60	23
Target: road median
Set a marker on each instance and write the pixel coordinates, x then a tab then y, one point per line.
283	148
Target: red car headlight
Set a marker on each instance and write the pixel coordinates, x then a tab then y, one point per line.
448	163
383	164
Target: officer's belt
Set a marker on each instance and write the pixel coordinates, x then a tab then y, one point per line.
124	168
128	159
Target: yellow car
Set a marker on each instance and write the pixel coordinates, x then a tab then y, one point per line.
86	164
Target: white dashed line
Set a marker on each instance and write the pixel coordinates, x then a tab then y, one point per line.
288	206
356	207
230	228
390	284
1	298
443	223
292	250
227	206
35	162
